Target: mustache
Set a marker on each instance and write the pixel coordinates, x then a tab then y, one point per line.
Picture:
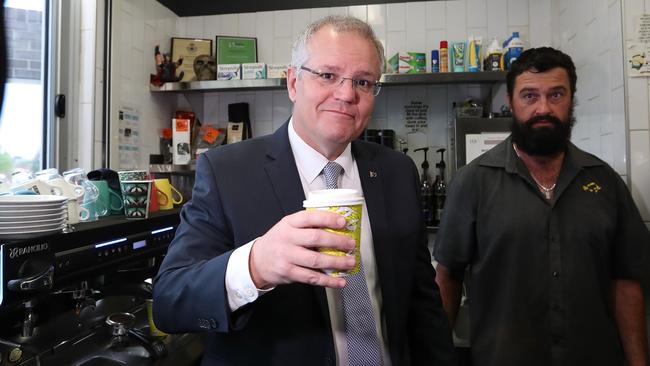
546	117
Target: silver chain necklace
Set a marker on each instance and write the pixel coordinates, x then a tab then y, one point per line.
548	191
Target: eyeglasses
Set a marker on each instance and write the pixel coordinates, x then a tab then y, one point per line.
330	79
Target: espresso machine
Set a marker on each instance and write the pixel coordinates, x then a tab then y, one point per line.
80	298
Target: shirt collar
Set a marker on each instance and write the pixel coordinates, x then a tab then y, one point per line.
310	162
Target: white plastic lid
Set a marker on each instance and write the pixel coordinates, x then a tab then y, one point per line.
333	197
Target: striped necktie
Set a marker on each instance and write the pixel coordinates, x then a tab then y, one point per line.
360	331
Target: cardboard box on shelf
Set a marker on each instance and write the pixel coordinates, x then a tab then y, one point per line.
229	72
276	71
407	63
181	141
253	71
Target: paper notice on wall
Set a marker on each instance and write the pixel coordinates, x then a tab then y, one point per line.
478	143
129	138
637	53
416	115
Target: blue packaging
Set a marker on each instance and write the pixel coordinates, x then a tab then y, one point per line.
513	48
435	61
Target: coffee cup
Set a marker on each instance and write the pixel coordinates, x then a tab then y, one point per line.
156	198
131	175
168	194
107	197
135	196
92	208
74	193
25	192
36	185
349	204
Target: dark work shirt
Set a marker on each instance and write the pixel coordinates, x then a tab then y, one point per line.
541	271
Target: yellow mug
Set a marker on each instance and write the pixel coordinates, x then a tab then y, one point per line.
165	190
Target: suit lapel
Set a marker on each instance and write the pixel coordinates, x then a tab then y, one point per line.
283	174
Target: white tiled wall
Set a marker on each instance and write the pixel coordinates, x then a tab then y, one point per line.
416	26
638	132
138	26
86	77
589	30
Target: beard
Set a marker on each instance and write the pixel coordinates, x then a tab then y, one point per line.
542	141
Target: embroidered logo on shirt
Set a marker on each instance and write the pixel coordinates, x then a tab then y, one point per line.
592	187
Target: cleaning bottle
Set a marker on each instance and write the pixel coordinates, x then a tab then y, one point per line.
513	48
474	54
439	188
426	191
444	56
493	57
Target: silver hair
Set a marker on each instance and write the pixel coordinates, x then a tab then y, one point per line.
339	23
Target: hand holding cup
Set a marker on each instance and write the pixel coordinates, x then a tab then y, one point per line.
288	252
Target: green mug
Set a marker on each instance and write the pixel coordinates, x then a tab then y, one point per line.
108	197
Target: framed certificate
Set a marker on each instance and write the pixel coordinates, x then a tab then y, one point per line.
235	50
189	49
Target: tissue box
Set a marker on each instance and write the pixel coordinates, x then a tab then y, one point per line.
276	71
253	71
407	63
229	72
181	141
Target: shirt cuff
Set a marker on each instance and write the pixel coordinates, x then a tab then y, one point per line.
239	285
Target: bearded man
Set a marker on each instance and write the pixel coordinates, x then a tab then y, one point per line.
556	248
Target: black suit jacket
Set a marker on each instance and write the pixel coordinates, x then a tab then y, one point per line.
241	191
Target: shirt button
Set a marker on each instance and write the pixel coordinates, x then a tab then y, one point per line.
238	294
556	273
250	293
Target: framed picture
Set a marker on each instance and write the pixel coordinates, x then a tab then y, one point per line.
189	49
235	50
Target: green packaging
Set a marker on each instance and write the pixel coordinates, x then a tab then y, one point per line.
407	63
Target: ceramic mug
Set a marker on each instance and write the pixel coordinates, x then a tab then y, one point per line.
94	208
36	185
131	175
156	198
25	192
135	196
74	193
168	191
108	198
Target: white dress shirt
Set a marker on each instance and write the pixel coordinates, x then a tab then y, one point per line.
310	163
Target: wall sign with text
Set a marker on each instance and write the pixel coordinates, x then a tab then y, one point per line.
236	50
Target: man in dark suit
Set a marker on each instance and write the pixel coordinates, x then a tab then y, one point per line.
244	266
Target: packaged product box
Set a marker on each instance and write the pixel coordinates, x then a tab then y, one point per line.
229	72
407	63
181	141
276	71
253	71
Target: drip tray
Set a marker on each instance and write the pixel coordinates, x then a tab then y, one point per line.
96	344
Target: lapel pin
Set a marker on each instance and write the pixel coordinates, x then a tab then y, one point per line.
373	174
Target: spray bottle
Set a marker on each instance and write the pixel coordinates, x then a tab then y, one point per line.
444	56
513	48
439	188
426	191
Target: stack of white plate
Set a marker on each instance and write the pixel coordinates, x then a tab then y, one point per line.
23	217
